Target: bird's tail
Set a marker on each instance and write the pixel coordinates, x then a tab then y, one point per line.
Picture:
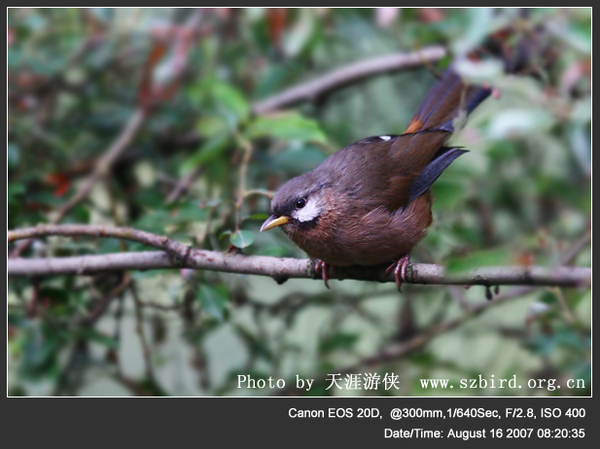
447	99
451	97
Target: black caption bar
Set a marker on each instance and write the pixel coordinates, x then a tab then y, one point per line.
351	421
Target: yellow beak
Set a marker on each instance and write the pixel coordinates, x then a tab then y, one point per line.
273	222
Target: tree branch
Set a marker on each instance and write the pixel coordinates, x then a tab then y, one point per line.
177	255
348	74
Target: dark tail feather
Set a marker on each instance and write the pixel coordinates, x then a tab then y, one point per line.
442	159
445	101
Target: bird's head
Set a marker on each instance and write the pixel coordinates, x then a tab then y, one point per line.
298	205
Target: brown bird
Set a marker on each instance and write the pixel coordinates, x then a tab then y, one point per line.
370	202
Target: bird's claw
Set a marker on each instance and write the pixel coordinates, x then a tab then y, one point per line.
321	267
399	269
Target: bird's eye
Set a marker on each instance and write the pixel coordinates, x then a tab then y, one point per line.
300	203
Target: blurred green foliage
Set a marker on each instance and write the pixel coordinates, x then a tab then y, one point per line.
521	196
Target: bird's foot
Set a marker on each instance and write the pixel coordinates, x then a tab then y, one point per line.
322	267
399	269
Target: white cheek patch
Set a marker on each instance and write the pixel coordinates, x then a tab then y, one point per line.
308	212
386	138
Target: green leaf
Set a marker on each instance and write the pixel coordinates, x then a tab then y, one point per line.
224	234
337	341
230	99
288	126
213	300
211	126
81	214
209	150
242	239
39	351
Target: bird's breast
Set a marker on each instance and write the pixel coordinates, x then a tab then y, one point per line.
351	236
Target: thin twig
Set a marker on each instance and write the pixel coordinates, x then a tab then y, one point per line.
183	185
564	307
574	251
102	305
259	192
